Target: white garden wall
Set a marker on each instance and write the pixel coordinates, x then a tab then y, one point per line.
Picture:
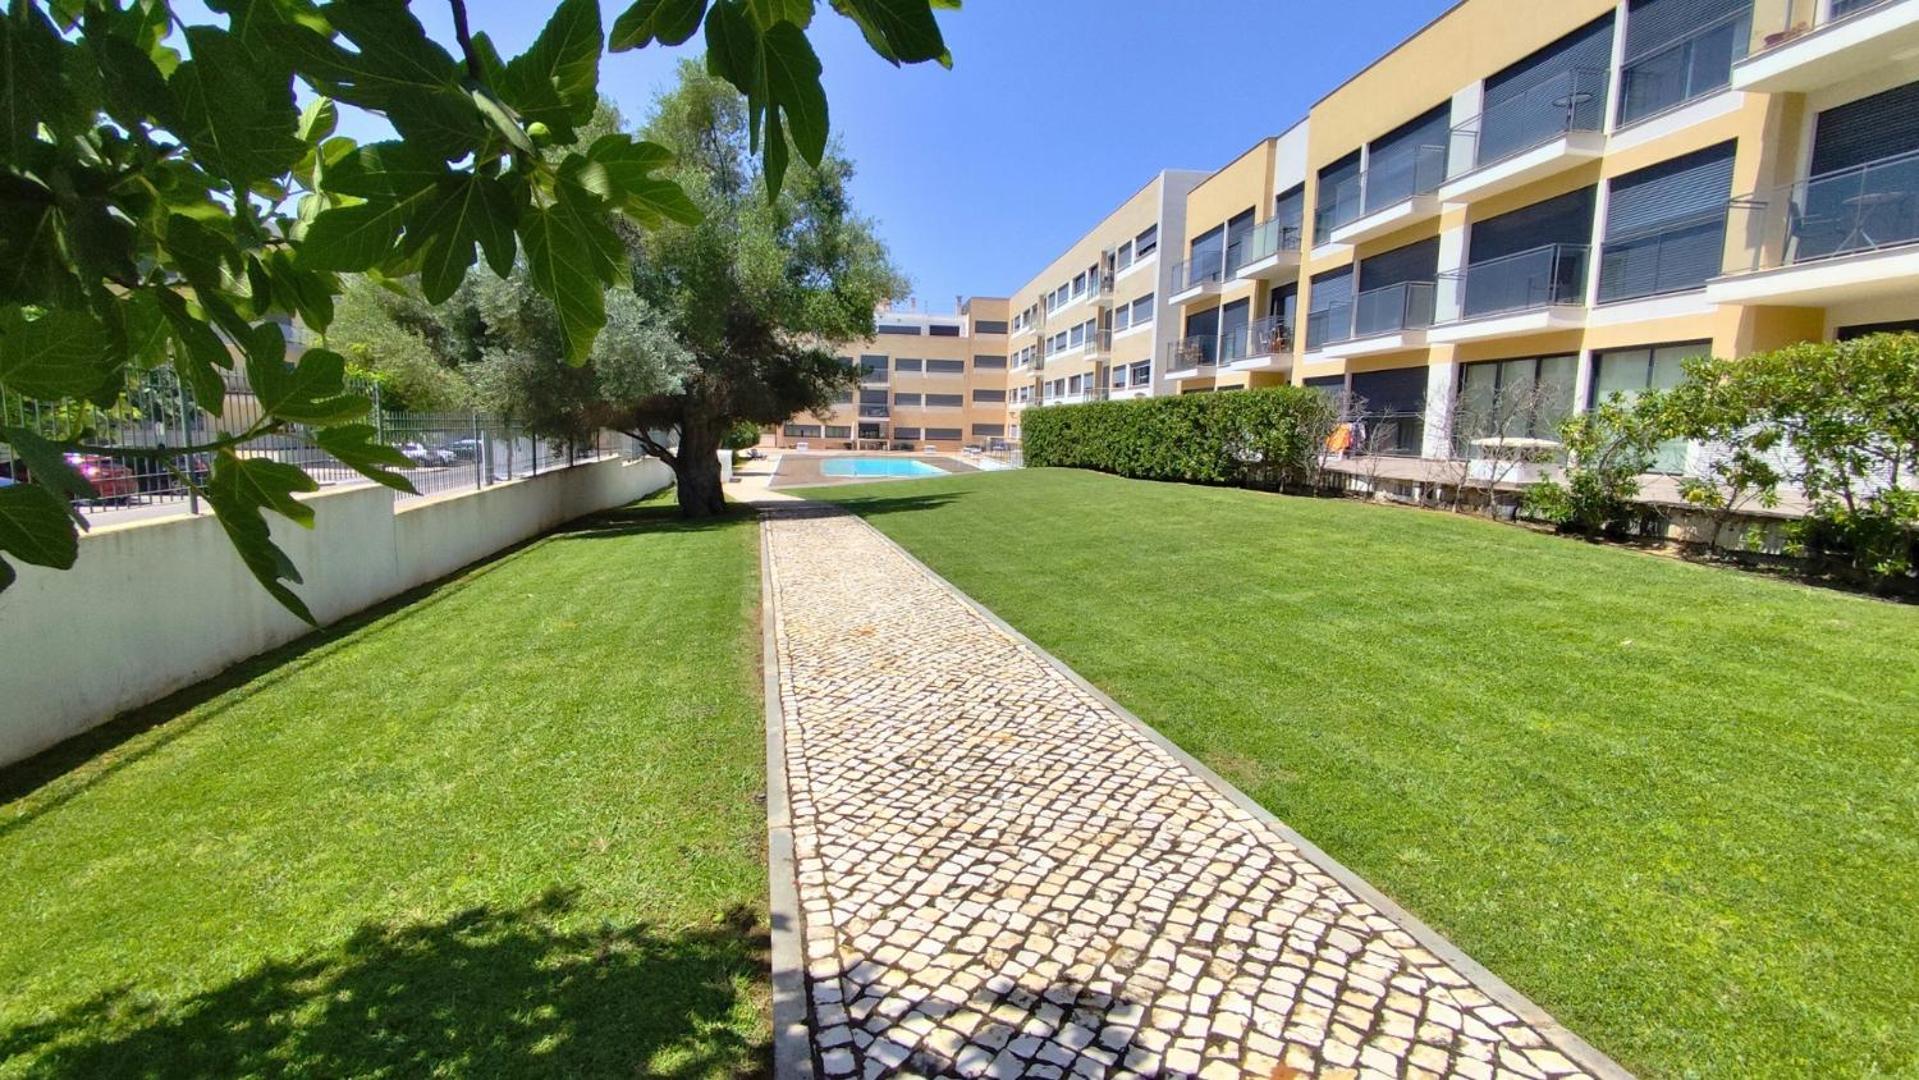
153	606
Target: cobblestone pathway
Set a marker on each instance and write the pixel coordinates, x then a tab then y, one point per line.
999	875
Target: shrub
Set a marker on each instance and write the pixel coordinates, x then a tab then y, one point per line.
1255	438
1609	447
1846	415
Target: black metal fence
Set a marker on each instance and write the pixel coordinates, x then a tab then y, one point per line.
445	451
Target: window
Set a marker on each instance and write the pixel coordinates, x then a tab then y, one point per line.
1329	314
802	431
1076	384
1678	50
1289	210
1409	160
839	431
872	368
946	367
1854	333
1146	242
989	396
1666	226
1557	89
907	434
1076	336
1143	310
993	431
1338	196
988	362
905	363
944	330
1630	372
897	328
1143	373
942	434
1122	317
1079	285
1123	258
1119	377
1519	399
944	401
908	401
1395	407
988	326
873	397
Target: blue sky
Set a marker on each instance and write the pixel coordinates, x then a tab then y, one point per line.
1054	112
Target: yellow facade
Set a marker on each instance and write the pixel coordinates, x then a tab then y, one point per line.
1583	184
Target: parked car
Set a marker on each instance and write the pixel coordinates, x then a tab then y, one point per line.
466	449
427	457
112	481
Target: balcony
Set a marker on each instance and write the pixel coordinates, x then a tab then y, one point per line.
1846	235
1269	253
1099	342
1099	293
1677	256
1817	43
1262	345
1392	319
1389	195
1684	69
1548	129
1192	358
875	412
1531	292
1198	277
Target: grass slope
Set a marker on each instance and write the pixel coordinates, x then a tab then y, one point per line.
508	827
1677	806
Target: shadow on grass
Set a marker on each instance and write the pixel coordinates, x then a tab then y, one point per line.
100	752
863	505
487	992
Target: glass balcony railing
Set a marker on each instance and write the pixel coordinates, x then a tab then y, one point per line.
1571	101
1547	276
1187	354
1269	336
1269	238
1387	181
1405	306
1682	70
1329	325
1865	208
1674	257
1797	18
1204	268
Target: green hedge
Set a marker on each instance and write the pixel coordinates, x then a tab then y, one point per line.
1254	438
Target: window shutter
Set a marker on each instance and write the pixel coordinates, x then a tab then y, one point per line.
1414	262
1654	24
1694	186
1566	219
1881	126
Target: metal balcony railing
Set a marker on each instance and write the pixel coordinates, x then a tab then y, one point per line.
1672	257
1329	325
1571	101
1864	208
1546	276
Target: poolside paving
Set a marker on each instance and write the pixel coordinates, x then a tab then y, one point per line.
1000	874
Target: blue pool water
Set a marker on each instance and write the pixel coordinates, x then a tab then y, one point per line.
861	466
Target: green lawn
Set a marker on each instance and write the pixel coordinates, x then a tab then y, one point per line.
1677	806
508	827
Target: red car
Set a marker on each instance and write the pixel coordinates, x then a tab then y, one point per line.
113	481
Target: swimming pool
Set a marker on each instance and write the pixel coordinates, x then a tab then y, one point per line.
869	467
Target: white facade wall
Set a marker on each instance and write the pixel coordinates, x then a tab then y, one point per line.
154	606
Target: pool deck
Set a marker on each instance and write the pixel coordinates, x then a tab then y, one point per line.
804	469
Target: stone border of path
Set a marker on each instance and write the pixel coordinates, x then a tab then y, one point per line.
792	1050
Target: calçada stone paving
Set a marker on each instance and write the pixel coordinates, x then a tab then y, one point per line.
999	875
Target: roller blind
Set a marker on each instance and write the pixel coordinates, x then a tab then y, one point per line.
1400	390
1881	126
1414	262
1666	227
1590	46
1654	24
1693	186
1566	219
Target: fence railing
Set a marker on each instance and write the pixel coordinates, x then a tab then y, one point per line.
1864	208
444	451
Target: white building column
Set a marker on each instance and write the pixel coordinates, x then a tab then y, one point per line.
1441	377
1449	300
1462	149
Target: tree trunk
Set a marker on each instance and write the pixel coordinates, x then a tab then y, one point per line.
697	470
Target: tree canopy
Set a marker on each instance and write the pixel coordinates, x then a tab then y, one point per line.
164	200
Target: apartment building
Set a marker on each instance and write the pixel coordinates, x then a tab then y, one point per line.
931	382
1090	325
1567	199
